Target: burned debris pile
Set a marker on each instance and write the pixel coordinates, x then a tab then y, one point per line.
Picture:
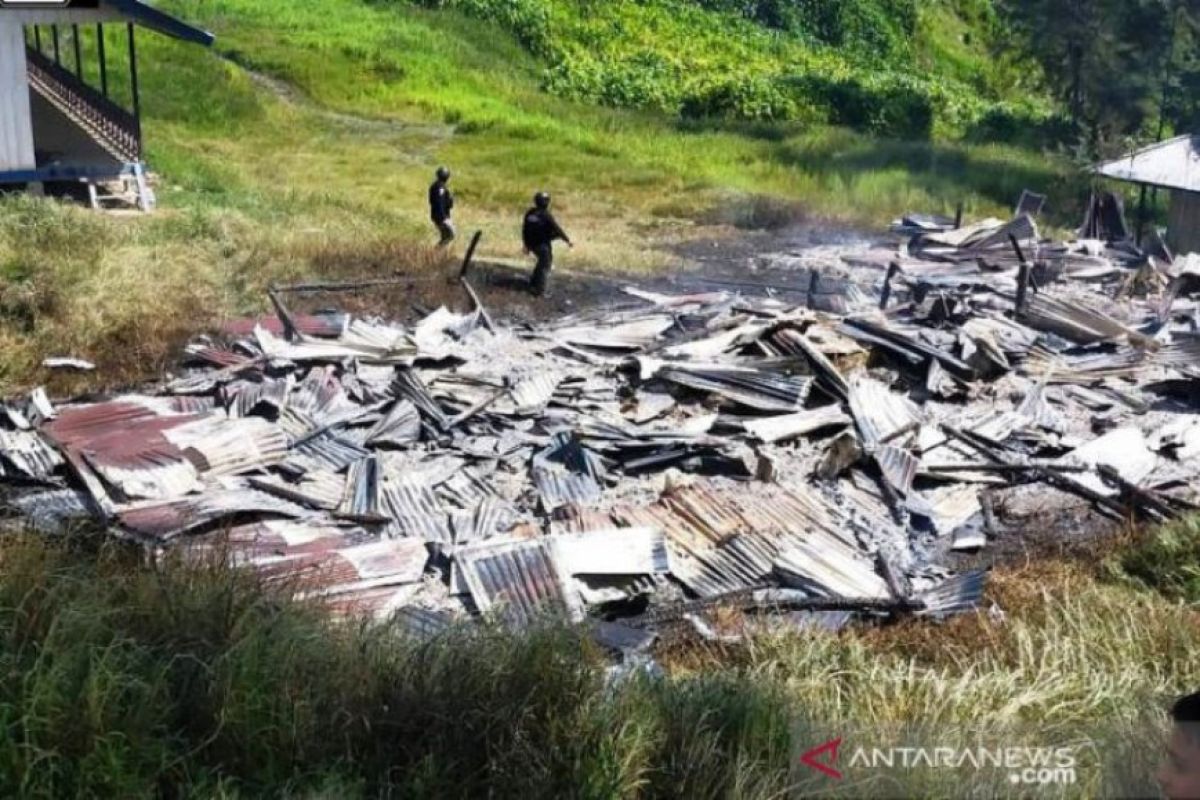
647	460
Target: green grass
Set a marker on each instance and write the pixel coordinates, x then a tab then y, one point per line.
192	680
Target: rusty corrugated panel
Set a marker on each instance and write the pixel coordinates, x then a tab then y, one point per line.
320	325
163	521
316	489
516	580
222	446
565	472
714	514
414	509
363	567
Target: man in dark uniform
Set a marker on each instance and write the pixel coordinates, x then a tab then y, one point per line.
441	203
539	232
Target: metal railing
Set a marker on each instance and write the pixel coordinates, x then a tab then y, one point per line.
114	128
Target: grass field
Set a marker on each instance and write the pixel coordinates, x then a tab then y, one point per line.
321	166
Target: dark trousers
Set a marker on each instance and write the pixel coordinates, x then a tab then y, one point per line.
446	229
541	272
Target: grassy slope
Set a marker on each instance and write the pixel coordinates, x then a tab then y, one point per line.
332	178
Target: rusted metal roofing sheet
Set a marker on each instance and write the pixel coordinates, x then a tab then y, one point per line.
321	325
319	489
390	562
516	580
162	521
413	509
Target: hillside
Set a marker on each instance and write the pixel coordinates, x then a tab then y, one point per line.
894	67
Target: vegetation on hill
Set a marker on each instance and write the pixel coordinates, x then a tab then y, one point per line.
873	65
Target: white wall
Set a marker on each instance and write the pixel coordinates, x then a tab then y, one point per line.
16	128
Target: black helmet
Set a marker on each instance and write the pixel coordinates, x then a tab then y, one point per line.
541	200
443	174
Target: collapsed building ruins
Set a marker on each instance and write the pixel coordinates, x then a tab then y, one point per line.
831	456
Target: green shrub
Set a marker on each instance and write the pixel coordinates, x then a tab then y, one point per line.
1166	560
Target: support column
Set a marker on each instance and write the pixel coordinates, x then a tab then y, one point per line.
134	88
16	121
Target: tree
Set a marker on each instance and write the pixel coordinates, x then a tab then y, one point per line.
1121	68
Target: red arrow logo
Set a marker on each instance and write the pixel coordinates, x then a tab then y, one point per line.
826	765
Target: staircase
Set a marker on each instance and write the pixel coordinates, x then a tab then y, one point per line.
109	125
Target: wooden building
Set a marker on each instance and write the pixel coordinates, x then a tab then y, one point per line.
1173	165
61	116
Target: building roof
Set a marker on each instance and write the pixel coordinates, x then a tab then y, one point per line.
149	17
1173	164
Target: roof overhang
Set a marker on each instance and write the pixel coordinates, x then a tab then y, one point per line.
150	17
1173	164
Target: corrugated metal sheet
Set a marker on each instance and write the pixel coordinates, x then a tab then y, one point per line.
898	467
1072	321
164	520
751	388
825	566
566	472
614	551
390	562
414	509
316	489
465	489
791	426
631	335
408	385
400	426
321	325
531	391
489	518
955	595
325	452
221	446
1173	164
52	511
28	454
516	580
878	412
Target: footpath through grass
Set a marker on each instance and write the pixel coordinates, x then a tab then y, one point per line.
323	168
193	681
